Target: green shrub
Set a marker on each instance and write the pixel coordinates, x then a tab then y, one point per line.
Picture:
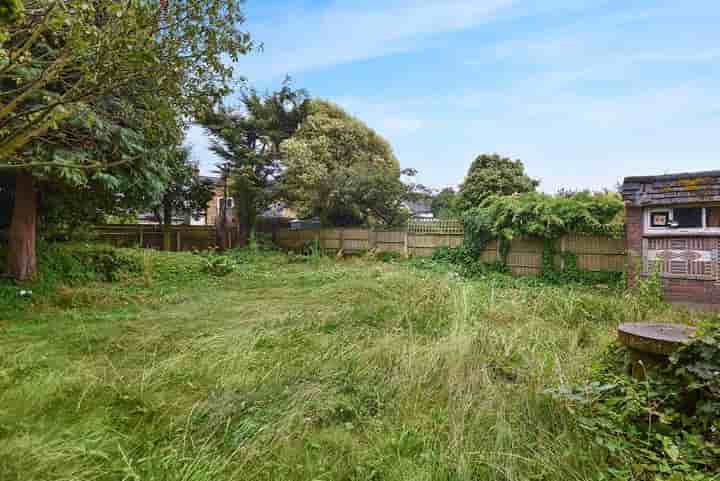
75	263
218	265
388	256
667	424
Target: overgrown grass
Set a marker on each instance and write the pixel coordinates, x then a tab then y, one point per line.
300	370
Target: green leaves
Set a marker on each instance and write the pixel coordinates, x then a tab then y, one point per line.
667	425
327	159
493	174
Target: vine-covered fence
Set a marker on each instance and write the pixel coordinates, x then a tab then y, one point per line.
525	256
420	238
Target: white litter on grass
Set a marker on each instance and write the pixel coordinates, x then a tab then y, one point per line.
25	293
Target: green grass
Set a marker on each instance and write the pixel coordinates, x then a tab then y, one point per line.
320	370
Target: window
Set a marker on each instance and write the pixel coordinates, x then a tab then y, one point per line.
225	203
683	218
660	219
687	218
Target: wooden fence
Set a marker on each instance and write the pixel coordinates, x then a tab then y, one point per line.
171	238
524	258
421	238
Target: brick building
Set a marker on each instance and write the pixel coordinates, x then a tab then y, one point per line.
673	227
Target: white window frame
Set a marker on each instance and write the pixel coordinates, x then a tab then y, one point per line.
649	229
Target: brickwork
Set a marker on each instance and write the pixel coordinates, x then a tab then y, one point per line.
633	236
695	291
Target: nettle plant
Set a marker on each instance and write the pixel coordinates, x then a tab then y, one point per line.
666	427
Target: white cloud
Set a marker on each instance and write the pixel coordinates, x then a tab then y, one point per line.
305	40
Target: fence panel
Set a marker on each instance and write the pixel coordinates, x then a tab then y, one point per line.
390	241
525	256
422	238
435	226
595	253
425	244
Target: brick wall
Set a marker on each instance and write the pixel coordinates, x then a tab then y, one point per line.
695	291
212	214
633	236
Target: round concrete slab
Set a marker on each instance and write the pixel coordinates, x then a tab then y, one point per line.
654	338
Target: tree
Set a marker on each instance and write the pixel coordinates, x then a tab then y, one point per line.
186	192
248	143
88	89
377	195
327	158
493	174
444	203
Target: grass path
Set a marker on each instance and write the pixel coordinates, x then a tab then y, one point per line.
300	371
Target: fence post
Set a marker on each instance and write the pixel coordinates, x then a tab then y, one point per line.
371	238
562	253
167	240
341	245
407	252
178	241
141	236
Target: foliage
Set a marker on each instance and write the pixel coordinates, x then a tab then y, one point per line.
62	60
546	217
541	216
666	424
444	203
11	10
387	256
93	93
380	198
493	175
218	265
186	193
248	140
348	370
466	261
331	158
78	263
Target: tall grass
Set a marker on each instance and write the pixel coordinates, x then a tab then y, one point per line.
314	370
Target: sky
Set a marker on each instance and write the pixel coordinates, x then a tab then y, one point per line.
584	92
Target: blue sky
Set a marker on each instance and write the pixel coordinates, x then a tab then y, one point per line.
584	92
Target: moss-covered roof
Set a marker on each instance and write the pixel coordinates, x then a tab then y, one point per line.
685	188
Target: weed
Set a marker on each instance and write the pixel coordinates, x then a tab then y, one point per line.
322	369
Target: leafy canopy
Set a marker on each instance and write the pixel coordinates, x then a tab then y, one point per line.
444	203
67	67
331	158
493	174
248	142
543	216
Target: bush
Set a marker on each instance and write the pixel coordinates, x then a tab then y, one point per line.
466	261
388	256
218	265
75	263
667	425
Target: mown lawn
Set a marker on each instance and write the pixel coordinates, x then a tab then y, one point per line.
301	370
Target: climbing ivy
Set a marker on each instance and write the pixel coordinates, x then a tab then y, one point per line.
546	217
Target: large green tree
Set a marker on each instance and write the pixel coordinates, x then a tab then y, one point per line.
91	90
493	174
331	158
248	140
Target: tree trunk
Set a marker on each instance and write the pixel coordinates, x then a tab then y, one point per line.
22	263
167	213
